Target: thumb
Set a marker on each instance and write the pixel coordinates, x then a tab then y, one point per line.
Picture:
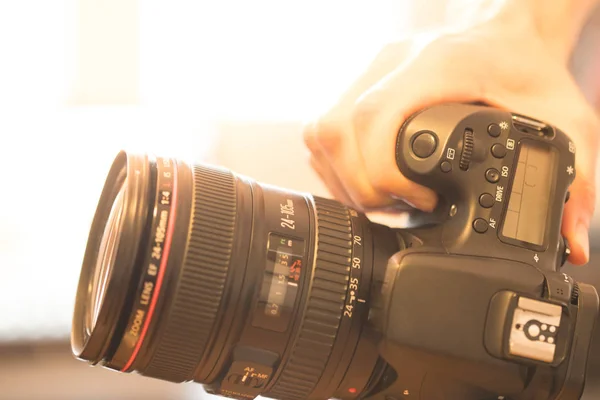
578	216
565	108
579	209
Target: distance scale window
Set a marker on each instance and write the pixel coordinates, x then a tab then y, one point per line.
279	289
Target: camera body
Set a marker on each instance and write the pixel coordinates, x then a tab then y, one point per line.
195	273
475	304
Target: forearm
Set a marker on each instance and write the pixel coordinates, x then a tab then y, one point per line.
557	22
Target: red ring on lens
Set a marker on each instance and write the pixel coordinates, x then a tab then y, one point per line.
161	270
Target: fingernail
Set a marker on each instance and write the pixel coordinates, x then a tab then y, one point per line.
423	204
403	199
583	240
426	204
410	203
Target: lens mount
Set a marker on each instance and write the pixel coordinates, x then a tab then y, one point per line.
128	177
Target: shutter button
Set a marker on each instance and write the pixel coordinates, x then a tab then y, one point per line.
424	144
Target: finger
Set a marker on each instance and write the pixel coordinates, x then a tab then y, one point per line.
334	142
321	165
381	111
328	176
579	210
337	190
577	219
579	122
334	138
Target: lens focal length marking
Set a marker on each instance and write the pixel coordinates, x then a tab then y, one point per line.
155	262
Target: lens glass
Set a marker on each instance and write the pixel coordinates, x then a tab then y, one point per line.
171	283
105	261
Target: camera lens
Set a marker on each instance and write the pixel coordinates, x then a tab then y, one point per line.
193	273
105	261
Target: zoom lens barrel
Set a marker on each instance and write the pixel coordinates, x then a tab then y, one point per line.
193	273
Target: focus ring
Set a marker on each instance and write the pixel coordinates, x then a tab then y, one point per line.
202	278
324	305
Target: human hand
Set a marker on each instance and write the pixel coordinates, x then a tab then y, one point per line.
505	64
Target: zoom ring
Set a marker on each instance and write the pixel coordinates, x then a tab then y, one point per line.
324	305
202	280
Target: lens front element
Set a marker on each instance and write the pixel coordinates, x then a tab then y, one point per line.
105	262
194	273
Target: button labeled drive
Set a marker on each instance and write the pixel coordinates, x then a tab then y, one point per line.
486	200
424	144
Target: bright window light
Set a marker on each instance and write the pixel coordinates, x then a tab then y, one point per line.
81	79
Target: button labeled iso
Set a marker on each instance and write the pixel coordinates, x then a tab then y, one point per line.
492	175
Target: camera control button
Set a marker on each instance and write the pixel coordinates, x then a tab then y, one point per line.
480	225
445	166
424	144
494	130
498	150
486	200
492	175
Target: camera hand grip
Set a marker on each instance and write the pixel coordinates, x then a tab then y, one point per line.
501	177
430	144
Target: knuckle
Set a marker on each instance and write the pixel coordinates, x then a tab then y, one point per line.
367	199
372	192
364	112
327	135
310	138
380	181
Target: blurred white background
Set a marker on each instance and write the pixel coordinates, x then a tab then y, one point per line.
223	81
204	80
82	79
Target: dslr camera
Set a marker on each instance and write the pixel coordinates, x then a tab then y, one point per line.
195	273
